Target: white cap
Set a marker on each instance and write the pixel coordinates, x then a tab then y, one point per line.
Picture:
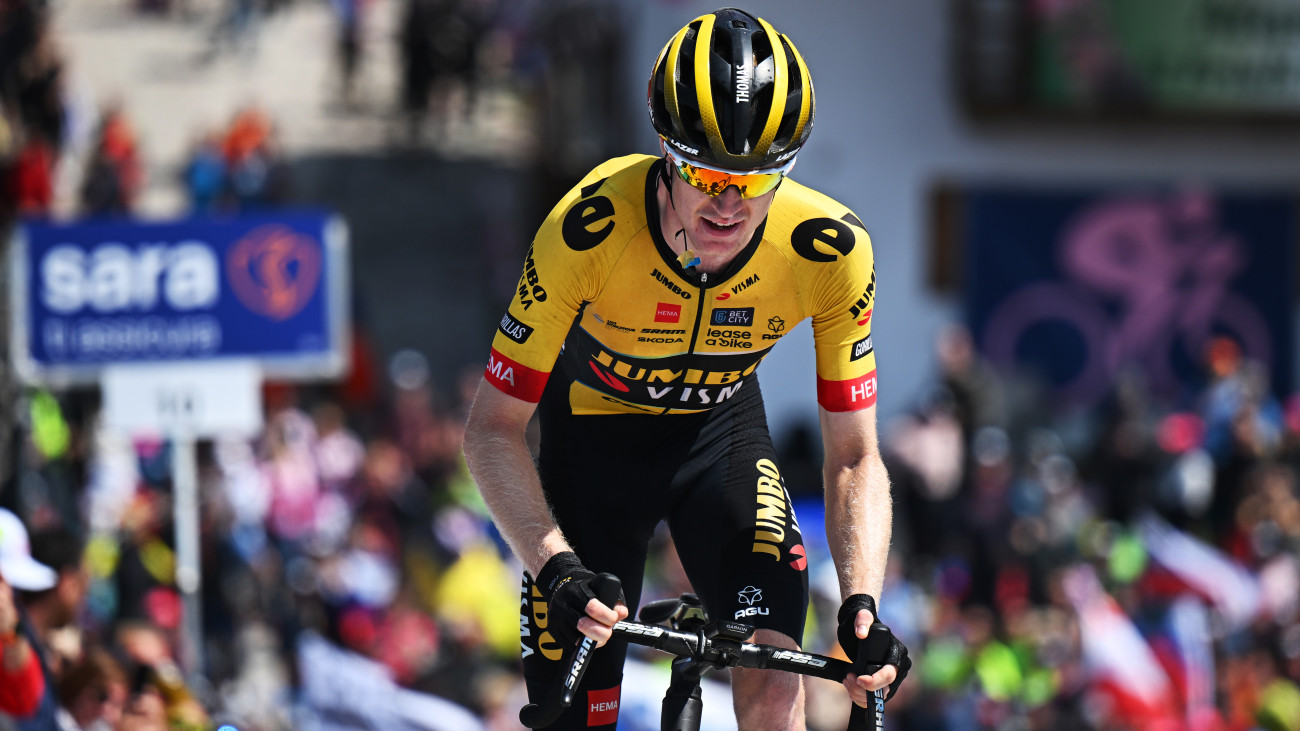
17	567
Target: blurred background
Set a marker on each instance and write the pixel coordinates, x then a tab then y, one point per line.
1084	218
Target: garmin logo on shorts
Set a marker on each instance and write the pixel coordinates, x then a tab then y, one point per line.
514	329
861	348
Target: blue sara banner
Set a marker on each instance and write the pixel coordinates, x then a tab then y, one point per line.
271	288
1080	286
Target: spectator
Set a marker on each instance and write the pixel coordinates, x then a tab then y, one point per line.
93	692
21	681
26	693
205	174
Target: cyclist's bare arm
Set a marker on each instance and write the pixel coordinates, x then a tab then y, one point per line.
859	519
496	451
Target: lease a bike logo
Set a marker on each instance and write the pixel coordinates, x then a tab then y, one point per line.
749	596
274	271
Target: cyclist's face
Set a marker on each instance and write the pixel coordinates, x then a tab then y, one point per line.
717	227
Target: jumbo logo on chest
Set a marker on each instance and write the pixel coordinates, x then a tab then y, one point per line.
683	381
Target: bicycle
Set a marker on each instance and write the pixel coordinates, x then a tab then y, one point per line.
702	646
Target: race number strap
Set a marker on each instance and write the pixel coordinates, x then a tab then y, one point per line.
851	395
513	379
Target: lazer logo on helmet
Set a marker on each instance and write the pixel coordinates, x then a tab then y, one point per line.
683	148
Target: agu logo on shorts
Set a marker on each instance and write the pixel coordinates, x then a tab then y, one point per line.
274	271
750	596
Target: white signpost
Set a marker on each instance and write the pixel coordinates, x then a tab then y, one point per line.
185	402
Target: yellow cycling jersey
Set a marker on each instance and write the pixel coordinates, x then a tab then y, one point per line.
604	301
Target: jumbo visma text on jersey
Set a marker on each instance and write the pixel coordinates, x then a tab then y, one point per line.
603	304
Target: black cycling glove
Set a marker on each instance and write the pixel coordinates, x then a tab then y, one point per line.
849	640
566	585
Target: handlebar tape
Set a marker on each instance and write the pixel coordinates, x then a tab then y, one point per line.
539	715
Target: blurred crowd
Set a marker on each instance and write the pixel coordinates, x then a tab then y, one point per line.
1130	566
1127	567
52	139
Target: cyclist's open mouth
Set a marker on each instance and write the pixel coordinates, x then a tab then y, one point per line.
721	226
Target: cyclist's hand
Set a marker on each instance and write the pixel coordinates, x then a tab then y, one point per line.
600	620
856	616
572	604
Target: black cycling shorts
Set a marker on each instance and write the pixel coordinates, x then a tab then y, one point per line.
713	477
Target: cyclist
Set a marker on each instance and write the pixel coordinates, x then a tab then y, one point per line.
648	298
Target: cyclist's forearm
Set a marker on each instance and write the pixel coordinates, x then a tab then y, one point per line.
507	478
859	521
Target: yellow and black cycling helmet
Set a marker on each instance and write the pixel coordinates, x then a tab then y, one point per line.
730	91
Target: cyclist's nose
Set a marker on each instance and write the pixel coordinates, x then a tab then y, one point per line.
729	202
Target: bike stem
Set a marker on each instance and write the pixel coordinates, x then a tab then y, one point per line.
683	706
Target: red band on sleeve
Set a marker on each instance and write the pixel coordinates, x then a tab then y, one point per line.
513	379
851	395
